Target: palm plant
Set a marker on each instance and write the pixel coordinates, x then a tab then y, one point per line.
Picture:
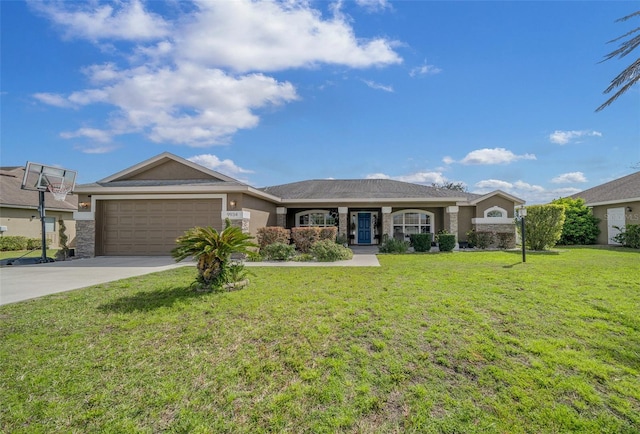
212	250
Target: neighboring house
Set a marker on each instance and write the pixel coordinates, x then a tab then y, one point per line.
143	209
615	203
19	213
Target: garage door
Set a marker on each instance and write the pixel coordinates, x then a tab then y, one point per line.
150	227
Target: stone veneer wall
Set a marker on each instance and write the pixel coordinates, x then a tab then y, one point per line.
85	238
498	228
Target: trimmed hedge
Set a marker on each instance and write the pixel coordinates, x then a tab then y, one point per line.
421	242
446	242
391	245
305	238
273	234
18	242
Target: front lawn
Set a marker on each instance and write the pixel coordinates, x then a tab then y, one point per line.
460	342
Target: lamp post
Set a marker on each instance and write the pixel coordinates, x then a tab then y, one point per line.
522	214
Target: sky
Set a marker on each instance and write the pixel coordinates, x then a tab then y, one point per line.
493	95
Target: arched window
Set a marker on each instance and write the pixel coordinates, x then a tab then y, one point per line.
412	221
316	217
495	212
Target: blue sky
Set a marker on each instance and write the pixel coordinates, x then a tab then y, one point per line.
496	95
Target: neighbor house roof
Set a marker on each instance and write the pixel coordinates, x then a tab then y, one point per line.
353	189
13	196
625	189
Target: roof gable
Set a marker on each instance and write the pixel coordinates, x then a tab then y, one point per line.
622	189
514	199
13	196
167	167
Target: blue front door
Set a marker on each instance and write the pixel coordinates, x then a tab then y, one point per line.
364	228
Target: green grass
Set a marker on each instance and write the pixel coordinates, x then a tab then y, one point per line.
435	343
51	253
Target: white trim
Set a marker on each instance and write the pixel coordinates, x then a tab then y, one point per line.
498	193
84	215
97	197
493	221
614	202
343	209
452	209
386	210
236	215
281	210
376	200
503	211
353	216
312	211
432	221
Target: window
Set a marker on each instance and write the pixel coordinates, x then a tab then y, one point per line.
319	218
495	212
412	222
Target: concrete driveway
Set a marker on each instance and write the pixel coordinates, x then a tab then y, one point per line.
23	282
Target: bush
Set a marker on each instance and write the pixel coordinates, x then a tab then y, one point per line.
629	236
34	243
421	242
580	226
446	242
303	257
278	252
342	239
506	240
273	234
328	233
329	251
391	245
543	226
13	242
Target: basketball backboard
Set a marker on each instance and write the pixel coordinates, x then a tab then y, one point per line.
41	177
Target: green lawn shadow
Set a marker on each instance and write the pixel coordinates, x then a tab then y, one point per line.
145	301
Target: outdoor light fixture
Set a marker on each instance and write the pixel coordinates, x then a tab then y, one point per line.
629	209
232	203
84	205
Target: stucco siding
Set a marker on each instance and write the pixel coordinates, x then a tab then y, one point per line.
492	201
631	217
19	222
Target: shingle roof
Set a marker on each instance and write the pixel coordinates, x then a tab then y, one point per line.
361	189
13	196
160	183
621	189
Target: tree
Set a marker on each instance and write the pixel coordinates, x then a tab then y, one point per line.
212	250
580	225
454	186
543	226
631	74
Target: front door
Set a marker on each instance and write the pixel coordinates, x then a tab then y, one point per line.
364	228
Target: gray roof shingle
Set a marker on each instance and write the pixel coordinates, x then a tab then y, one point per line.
361	189
621	189
12	195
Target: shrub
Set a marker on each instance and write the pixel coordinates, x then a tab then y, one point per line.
303	257
304	238
484	239
342	239
273	234
421	242
580	226
506	240
329	251
278	252
328	233
446	242
13	242
34	243
629	236
391	245
543	226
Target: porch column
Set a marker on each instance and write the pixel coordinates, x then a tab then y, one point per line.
343	221
387	223
85	234
452	226
281	213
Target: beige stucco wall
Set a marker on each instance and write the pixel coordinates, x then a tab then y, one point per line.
631	217
169	170
263	213
19	222
492	201
465	214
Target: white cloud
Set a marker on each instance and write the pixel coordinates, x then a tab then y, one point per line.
377	176
122	20
269	36
97	149
424	70
494	184
374	5
568	178
94	134
188	80
524	186
378	86
494	156
227	167
563	137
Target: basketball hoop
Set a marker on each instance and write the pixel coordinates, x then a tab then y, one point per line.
59	191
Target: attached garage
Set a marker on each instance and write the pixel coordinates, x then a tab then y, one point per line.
150	226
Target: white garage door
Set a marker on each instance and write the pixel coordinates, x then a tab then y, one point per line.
150	227
615	217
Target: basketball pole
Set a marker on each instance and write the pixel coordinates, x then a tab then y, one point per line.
43	259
